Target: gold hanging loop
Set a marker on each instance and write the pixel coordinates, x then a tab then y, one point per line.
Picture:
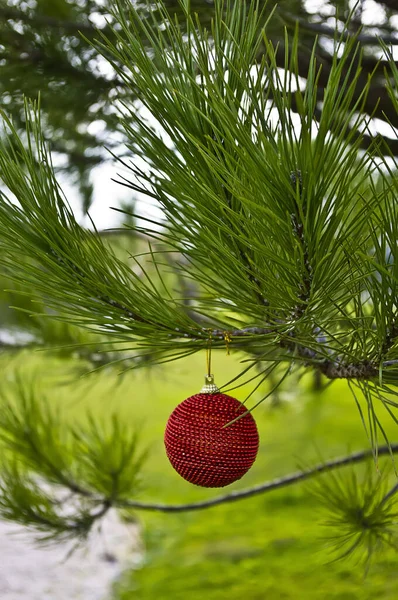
208	355
227	340
209	387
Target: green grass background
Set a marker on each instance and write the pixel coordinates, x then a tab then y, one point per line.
269	547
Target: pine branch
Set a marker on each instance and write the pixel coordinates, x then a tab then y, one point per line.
101	465
95	446
331	369
23	501
225	188
281	482
97	463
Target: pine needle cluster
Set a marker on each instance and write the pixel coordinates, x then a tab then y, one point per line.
283	223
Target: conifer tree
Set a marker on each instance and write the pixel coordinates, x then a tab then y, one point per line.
287	228
42	51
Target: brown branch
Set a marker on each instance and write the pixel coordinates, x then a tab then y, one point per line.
331	370
328	367
391	4
268	486
364	370
330	32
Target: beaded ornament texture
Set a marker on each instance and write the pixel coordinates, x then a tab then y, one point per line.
201	449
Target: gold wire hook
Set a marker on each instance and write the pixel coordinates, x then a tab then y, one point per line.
227	340
209	387
208	355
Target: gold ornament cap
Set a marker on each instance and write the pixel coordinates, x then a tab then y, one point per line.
209	386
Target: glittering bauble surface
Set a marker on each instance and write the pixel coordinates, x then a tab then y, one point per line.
201	449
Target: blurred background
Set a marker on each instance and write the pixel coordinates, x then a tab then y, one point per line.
271	546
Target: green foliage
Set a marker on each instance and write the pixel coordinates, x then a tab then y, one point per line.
109	461
59	478
237	208
287	231
101	292
39	53
20	328
269	546
361	514
42	51
25	502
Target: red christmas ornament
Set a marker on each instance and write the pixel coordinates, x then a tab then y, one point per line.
201	449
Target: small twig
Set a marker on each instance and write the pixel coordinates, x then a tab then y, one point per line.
106	506
391	493
246	261
80	275
60	477
268	486
298	229
390	363
391	336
